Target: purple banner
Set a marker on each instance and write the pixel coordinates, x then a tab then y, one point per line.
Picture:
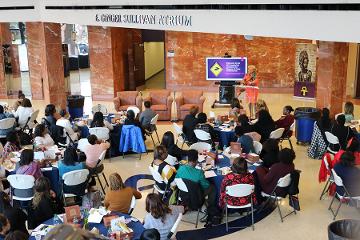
226	68
304	89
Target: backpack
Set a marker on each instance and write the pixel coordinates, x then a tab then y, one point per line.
293	188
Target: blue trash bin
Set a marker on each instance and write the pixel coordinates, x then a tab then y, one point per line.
305	118
75	106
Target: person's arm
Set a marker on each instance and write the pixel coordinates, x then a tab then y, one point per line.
108	125
136	194
203	182
270	175
105	145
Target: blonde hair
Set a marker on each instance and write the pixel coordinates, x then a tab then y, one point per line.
349	108
116	182
261	105
252	67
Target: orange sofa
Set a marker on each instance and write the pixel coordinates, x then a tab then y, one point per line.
126	99
188	99
161	103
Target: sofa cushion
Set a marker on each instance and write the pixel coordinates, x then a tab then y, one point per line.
192	96
158	107
186	107
159	96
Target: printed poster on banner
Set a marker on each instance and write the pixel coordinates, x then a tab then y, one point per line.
305	70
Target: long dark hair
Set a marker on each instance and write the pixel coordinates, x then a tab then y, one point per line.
39	130
265	118
70	156
160	153
156	207
26	157
347	159
50	110
42	190
239	166
98	120
4	202
168	139
325	120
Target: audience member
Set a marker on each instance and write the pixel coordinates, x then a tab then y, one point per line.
94	150
286	120
119	197
27	165
150	234
23	112
64	122
325	122
131	120
247	143
43	205
265	125
166	171
261	105
236	108
69	162
17	103
349	112
268	177
4	226
98	121
239	175
172	149
160	216
17	235
341	132
189	124
243	121
42	137
12	144
205	126
16	216
191	173
349	173
147	115
269	153
353	147
51	116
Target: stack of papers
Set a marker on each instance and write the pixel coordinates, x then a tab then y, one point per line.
96	215
210	174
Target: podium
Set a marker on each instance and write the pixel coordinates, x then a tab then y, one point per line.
226	93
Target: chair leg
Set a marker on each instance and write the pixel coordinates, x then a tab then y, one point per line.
278	207
337	210
107	184
332	202
252	217
152	140
197	218
103	189
326	189
157	135
226	219
291	146
292	203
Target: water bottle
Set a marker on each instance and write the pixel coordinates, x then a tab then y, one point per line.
56	220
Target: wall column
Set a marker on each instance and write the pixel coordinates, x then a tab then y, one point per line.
46	63
331	75
5	38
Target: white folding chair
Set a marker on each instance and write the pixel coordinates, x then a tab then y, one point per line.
175	227
238	191
30	124
282	183
180	136
102	133
277	133
99	169
257	147
82	143
330	179
72	179
132	205
158	179
135	109
5	124
100	108
171	160
345	197
333	140
20	182
202	135
153	128
182	187
201	146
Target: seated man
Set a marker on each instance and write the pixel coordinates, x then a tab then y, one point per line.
189	172
189	124
147	115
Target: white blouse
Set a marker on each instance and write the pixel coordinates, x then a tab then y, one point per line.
23	114
46	141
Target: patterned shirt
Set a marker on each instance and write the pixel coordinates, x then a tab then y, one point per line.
8	148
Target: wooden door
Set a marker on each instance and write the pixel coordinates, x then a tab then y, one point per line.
139	65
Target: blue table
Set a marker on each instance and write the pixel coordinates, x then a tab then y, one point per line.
137	227
225	137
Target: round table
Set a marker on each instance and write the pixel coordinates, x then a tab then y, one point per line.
225	137
137	227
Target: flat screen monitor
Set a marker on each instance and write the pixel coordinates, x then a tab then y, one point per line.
226	69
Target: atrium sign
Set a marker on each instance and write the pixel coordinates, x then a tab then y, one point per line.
145	19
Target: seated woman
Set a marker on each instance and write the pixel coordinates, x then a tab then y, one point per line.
69	162
189	124
131	120
27	165
205	126
261	105
247	143
268	177
166	171
12	144
51	116
349	173
172	149
269	153
98	121
239	175
286	120
236	108
42	137
344	134
353	147
265	125
244	122
23	112
349	112
16	216
44	204
65	123
119	197
160	216
94	150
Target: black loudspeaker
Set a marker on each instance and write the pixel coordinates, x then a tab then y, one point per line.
226	94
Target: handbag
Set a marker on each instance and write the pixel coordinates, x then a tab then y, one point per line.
294	202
